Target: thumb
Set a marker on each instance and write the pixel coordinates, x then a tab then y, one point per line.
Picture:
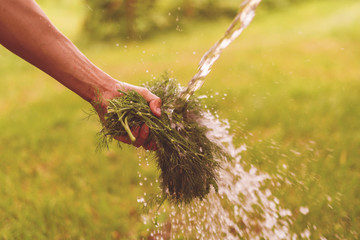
153	100
155	105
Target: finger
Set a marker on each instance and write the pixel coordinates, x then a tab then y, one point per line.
124	139
149	96
143	135
135	131
155	105
153	100
151	146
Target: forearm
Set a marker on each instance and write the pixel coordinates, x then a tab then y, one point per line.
26	31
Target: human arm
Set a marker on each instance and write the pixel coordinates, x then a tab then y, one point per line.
27	31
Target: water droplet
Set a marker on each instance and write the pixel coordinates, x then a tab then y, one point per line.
304	210
241	195
178	28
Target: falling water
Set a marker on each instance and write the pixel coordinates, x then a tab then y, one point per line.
243	208
240	209
240	22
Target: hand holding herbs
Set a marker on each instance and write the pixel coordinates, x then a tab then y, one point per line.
187	158
141	133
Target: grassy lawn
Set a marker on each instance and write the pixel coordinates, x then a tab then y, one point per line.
292	85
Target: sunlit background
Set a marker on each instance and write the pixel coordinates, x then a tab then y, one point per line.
290	87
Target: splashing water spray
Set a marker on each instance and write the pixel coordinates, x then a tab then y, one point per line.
240	22
242	208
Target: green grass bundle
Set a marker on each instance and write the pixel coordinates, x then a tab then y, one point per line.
188	160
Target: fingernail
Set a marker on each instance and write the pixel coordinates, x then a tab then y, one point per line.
158	111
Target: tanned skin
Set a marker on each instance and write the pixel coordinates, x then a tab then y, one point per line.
26	31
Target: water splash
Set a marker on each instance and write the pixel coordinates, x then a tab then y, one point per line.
240	209
243	208
240	22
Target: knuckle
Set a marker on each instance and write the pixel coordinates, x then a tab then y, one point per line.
143	91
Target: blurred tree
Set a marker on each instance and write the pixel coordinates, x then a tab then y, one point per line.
111	18
134	19
271	4
188	8
130	8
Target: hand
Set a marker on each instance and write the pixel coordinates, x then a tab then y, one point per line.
141	133
28	32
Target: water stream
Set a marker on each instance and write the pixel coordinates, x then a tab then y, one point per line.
243	207
240	22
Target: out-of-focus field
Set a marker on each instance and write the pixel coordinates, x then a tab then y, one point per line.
292	86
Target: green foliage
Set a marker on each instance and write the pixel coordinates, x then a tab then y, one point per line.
113	18
133	19
293	77
188	160
272	4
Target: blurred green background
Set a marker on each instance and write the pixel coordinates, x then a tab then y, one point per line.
290	86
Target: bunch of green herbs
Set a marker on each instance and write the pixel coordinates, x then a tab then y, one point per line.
188	159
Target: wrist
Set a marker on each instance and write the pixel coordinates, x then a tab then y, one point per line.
88	81
100	92
104	88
